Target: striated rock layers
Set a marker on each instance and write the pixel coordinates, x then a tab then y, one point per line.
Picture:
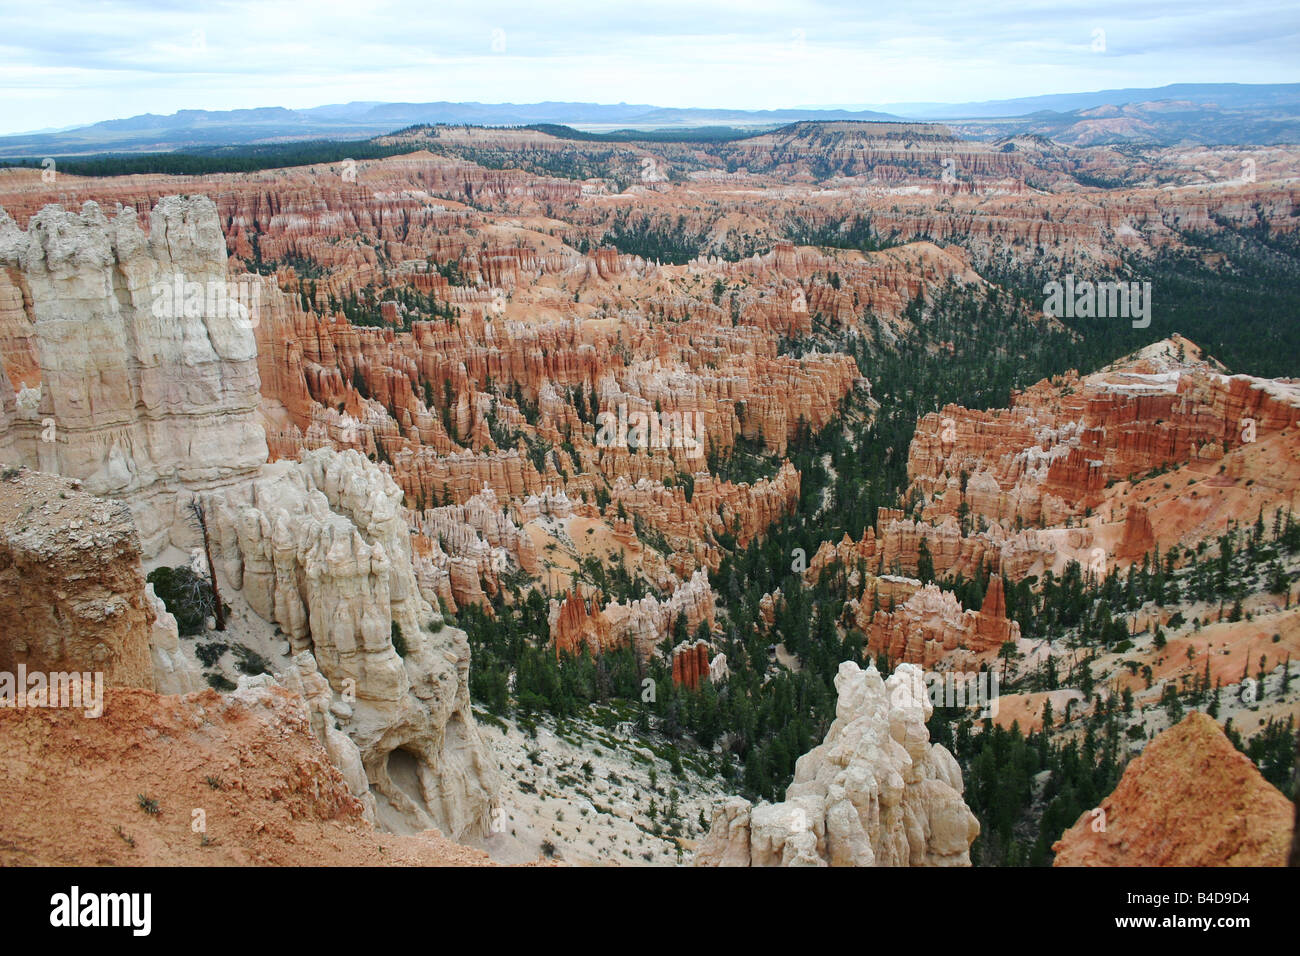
459	549
578	622
1190	799
895	545
690	523
875	792
148	366
902	618
931	625
1053	453
72	592
320	548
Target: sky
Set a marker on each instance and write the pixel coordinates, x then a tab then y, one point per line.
73	63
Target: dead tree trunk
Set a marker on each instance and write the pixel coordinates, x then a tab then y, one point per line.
201	519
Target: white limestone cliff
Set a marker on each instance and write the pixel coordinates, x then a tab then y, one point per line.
154	403
142	391
173	672
875	792
319	547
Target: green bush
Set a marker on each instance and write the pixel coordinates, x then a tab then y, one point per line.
188	597
399	642
250	662
220	682
209	654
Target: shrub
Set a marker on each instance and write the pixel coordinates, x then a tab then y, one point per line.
220	682
250	662
188	597
209	654
399	642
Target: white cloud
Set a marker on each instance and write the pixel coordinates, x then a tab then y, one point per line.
87	61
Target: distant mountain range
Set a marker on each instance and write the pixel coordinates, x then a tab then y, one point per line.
1210	113
1221	95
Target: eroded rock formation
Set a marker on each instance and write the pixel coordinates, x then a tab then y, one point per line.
320	548
875	792
149	393
579	622
72	592
1190	799
931	626
691	664
173	672
148	373
1056	451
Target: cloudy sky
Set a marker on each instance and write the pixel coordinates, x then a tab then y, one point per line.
70	62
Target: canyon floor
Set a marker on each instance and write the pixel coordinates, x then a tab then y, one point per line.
517	422
582	792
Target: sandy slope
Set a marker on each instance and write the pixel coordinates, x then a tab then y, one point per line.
70	788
